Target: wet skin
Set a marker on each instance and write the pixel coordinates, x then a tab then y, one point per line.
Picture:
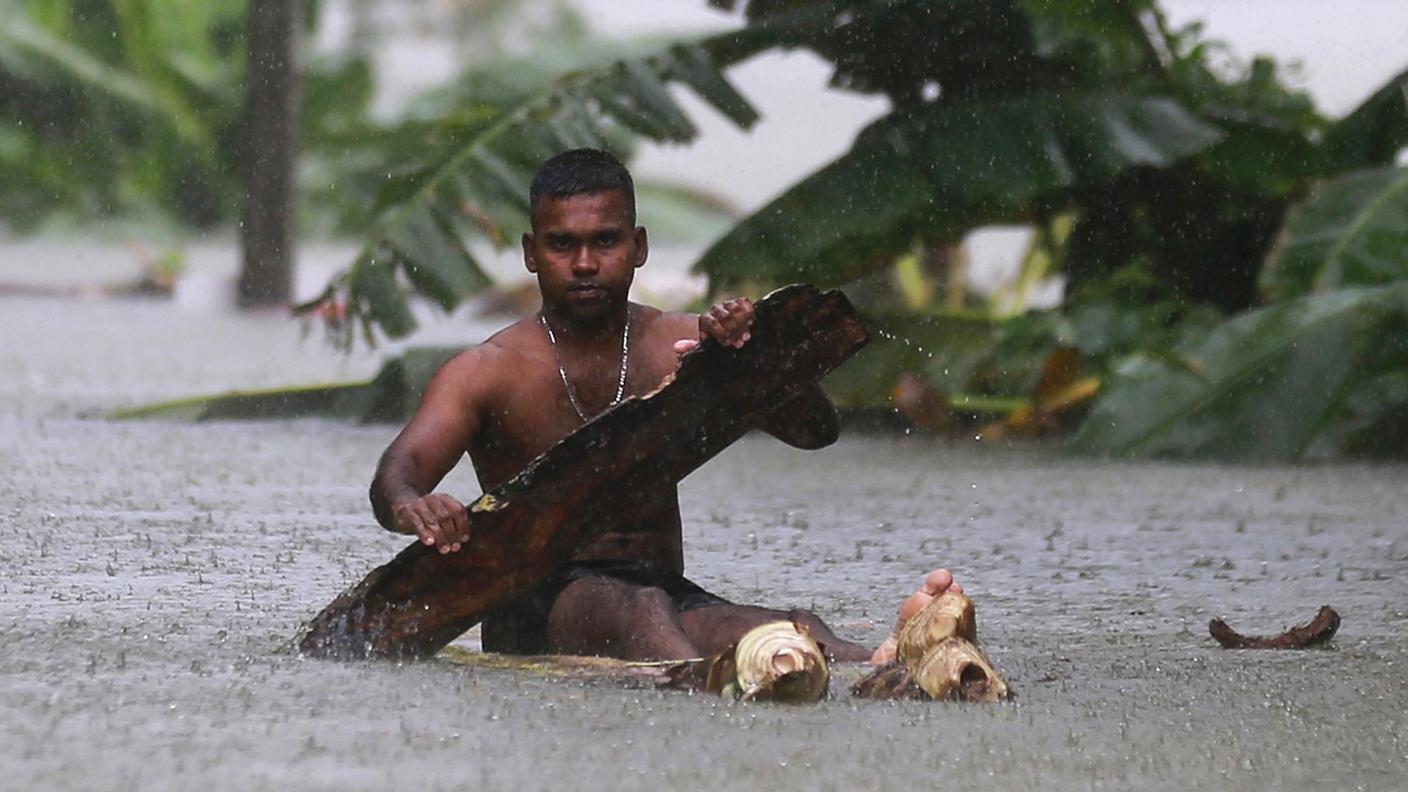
503	402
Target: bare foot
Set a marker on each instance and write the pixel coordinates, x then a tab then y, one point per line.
938	581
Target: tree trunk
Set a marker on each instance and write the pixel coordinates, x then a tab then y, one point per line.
270	142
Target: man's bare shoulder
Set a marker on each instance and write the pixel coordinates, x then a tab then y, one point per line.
501	353
669	325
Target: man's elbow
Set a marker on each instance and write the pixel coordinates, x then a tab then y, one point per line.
381	507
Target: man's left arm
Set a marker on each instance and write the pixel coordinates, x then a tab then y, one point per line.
807	420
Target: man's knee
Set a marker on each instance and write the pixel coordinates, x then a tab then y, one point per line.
605	603
651	600
807	619
608	617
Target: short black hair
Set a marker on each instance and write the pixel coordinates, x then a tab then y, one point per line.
581	172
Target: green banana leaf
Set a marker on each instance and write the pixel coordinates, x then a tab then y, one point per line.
1353	231
1374	133
898	47
1275	383
389	397
31	51
121	108
680	214
940	169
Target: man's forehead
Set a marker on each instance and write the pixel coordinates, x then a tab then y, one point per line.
592	209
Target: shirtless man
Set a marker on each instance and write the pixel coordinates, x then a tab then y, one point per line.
511	398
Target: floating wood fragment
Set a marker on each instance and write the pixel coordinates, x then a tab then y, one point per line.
937	659
1313	633
890	681
527	528
629	673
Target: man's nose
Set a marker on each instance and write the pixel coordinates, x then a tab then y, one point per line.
583	262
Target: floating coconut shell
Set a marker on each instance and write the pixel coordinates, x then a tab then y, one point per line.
777	661
956	669
937	658
948	615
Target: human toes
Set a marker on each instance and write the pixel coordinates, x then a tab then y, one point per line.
935	584
912	604
938	581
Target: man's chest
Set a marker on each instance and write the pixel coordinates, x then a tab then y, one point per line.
539	403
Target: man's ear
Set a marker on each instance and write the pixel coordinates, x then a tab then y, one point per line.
528	260
642	246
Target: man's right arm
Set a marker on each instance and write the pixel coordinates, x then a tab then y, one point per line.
402	492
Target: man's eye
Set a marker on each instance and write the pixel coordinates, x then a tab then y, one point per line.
560	243
606	240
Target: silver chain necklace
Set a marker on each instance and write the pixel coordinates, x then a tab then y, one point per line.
562	372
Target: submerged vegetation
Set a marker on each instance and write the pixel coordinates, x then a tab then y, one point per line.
1233	260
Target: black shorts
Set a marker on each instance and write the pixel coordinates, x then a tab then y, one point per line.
520	627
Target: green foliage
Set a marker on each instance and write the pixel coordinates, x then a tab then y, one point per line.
1321	372
1159	178
1291	380
131	108
1167	176
1374	133
468	173
1352	231
1019	111
913	174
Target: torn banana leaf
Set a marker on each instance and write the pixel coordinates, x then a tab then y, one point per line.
1284	382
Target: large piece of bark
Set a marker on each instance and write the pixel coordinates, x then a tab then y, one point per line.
529	527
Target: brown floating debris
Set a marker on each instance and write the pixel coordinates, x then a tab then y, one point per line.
1313	633
937	658
891	681
956	669
526	529
631	673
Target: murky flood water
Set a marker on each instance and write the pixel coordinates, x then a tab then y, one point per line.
153	569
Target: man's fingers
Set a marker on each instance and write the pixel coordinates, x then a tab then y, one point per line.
729	322
451	523
459	525
739	320
423	528
684	345
423	522
439	521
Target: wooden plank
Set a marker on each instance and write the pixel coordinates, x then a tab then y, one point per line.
526	529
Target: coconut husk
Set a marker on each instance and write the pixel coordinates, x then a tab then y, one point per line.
937	658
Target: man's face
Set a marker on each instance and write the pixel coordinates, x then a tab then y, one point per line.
584	251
